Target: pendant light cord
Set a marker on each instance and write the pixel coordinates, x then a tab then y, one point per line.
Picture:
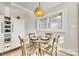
39	4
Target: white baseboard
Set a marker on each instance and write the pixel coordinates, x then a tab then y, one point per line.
74	53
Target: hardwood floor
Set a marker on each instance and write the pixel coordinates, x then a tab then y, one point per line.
17	52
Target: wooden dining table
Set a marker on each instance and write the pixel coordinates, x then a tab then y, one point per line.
39	41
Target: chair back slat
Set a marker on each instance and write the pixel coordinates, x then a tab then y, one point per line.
23	46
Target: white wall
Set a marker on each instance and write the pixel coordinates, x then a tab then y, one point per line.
2	10
30	25
71	21
71	39
78	30
28	18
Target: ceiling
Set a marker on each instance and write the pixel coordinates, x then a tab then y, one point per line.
32	5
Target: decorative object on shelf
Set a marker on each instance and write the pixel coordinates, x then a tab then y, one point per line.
7	26
7	40
39	11
7	29
7	22
8	18
18	17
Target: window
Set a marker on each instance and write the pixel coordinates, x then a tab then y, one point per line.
55	21
43	23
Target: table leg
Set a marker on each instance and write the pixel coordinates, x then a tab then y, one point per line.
39	49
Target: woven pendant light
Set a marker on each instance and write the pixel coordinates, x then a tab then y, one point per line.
39	11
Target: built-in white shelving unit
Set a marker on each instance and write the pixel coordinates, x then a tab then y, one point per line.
7	33
10	29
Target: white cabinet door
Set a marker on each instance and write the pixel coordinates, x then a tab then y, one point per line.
18	28
1	34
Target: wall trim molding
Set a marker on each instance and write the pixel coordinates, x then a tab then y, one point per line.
18	6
